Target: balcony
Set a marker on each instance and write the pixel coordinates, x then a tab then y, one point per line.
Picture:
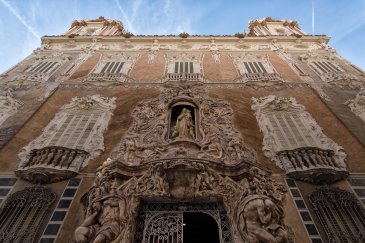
334	77
108	78
313	165
50	164
184	77
259	77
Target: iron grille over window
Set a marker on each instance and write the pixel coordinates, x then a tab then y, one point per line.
23	213
340	213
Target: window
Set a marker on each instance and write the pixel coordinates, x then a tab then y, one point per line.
23	213
294	140
254	67
340	214
325	67
290	130
74	136
75	130
112	67
184	67
43	67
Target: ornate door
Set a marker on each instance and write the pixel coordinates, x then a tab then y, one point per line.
164	222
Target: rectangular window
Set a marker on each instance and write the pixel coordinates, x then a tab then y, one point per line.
43	67
290	130
184	67
325	67
254	67
112	67
74	131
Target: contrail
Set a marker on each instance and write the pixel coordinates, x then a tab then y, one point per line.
125	16
20	18
312	18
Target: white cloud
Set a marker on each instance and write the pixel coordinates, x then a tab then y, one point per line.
20	18
130	26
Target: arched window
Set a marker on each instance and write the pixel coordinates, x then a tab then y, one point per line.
340	213
23	212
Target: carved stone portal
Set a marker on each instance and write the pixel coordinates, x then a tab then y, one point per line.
254	204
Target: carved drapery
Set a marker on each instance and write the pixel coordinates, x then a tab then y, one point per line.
340	213
23	213
8	105
70	140
293	139
216	139
248	201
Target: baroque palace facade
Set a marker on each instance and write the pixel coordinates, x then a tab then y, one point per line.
255	137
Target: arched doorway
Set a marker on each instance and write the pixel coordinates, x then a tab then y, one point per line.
199	227
182	223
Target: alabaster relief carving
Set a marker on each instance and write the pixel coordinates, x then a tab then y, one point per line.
8	105
293	139
325	64
112	68
255	69
206	129
184	66
357	105
42	67
254	204
70	140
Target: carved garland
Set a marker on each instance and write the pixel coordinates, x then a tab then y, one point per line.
357	105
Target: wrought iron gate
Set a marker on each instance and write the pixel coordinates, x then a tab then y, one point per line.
163	222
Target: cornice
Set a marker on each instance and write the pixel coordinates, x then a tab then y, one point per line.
191	39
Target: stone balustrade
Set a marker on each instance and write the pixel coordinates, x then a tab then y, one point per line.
50	164
338	76
257	77
313	164
107	77
184	77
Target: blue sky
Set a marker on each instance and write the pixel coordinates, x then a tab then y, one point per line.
23	22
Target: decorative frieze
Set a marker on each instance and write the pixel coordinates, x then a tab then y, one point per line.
293	139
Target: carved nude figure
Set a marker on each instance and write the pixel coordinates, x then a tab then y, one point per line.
184	125
259	221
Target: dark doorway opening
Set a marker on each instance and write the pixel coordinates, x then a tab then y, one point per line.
199	228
